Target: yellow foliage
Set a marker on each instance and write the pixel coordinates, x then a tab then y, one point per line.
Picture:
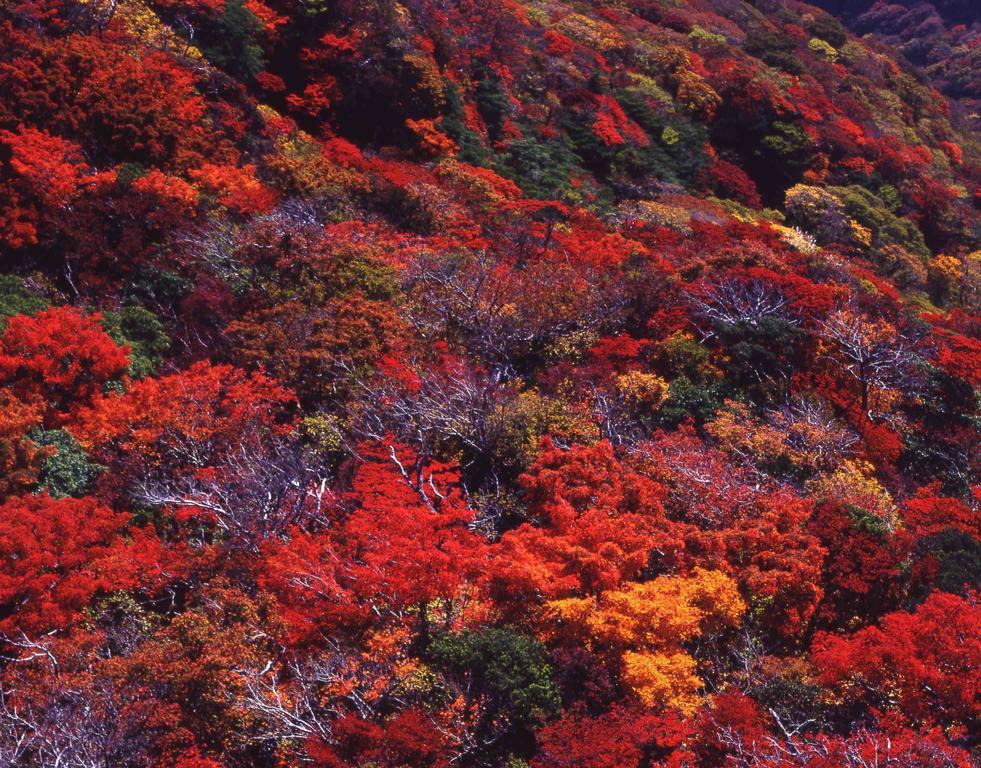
946	275
806	438
823	49
430	79
905	268
946	267
797	238
670	58
300	166
523	422
738	434
662	680
648	87
853	483
812	200
646	390
140	21
861	235
696	94
660	613
654	214
593	33
643	626
643	616
484	187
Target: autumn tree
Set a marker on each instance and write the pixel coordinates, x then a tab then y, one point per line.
874	353
59	554
923	659
643	625
60	357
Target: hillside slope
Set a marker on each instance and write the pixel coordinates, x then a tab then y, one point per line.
940	38
488	383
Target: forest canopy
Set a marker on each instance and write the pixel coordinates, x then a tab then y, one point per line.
489	384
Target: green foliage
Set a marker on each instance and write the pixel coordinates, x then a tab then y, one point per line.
827	28
472	149
873	212
866	521
788	148
792	695
541	169
958	560
700	34
775	48
160	285
15	299
757	356
677	152
234	46
142	331
492	103
68	471
313	8
689	399
520	425
509	667
127	173
592	151
372	277
890	197
120	610
681	355
948	404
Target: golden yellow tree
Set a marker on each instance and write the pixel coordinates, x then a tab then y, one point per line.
642	627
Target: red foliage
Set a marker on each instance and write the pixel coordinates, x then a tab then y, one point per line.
960	356
408	540
927	657
476	324
863	561
209	405
57	554
140	108
596	522
729	180
928	513
409	738
60	357
41	175
304	576
777	563
20	458
621	738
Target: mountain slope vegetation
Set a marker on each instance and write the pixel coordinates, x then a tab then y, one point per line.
498	383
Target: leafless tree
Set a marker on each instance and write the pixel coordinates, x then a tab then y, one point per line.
296	700
504	315
706	486
448	407
744	302
68	721
873	352
255	490
811	427
287	703
794	746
